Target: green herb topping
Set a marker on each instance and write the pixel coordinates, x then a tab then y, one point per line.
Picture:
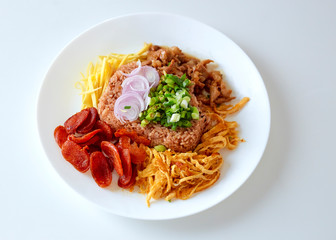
170	104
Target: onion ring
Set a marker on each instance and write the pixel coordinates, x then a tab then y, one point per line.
134	98
128	106
151	75
135	71
136	83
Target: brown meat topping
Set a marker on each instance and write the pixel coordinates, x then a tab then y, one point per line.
209	87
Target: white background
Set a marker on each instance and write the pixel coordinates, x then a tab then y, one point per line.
292	193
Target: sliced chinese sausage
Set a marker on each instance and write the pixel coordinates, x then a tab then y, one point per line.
60	135
93	148
138	154
133	135
109	161
89	122
124	143
76	120
94	141
111	151
84	138
127	166
124	132
76	155
100	169
107	131
131	182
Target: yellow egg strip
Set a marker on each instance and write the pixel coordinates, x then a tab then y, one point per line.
98	75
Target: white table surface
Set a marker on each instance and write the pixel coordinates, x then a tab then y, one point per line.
292	193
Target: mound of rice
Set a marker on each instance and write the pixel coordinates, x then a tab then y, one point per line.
181	140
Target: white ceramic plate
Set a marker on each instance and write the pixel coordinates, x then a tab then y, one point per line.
59	99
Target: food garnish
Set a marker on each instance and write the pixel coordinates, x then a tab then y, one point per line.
149	73
160	148
170	104
134	98
134	104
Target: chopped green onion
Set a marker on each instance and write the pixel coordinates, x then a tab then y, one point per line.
187	98
175	108
170	81
175	117
127	107
186	123
186	83
159	87
179	92
170	104
184	104
150	116
195	116
152	101
160	148
144	123
195	113
188	116
194	109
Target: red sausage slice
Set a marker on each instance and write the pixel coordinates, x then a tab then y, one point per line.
89	122
106	130
100	169
131	182
60	135
110	150
127	167
76	155
124	132
75	121
124	143
92	142
85	138
133	135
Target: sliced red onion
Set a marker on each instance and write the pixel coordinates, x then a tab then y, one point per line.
128	106
147	100
151	75
137	83
135	71
134	98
